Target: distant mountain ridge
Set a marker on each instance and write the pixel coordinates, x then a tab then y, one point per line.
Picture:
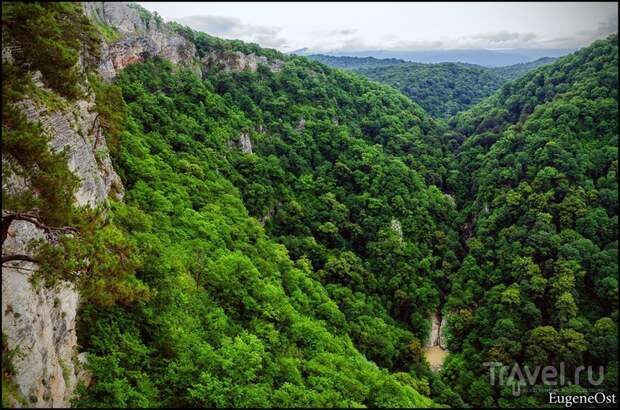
486	58
442	89
514	71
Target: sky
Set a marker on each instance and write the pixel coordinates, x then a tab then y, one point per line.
340	26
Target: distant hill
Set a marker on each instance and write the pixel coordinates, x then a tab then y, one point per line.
515	71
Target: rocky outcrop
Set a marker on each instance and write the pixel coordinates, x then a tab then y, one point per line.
40	323
77	129
141	35
237	61
301	124
396	226
135	49
243	143
120	15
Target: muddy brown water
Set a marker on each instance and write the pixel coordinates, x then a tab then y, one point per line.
435	356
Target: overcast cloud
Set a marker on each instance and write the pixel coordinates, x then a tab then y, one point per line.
234	28
399	26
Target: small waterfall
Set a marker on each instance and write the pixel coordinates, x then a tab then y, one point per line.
435	336
435	347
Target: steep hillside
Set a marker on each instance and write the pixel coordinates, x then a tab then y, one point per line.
233	321
285	132
55	167
441	89
332	176
539	285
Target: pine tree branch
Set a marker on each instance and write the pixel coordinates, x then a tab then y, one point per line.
18	257
9	217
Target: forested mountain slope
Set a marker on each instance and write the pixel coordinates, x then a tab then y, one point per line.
539	284
234	321
288	137
286	229
442	89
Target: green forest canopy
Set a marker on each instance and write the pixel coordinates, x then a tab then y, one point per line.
442	89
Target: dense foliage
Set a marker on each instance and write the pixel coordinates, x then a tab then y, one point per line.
233	321
442	89
45	38
538	188
206	43
49	37
332	176
84	248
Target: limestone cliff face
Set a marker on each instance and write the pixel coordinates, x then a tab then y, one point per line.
140	38
77	129
40	322
237	61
